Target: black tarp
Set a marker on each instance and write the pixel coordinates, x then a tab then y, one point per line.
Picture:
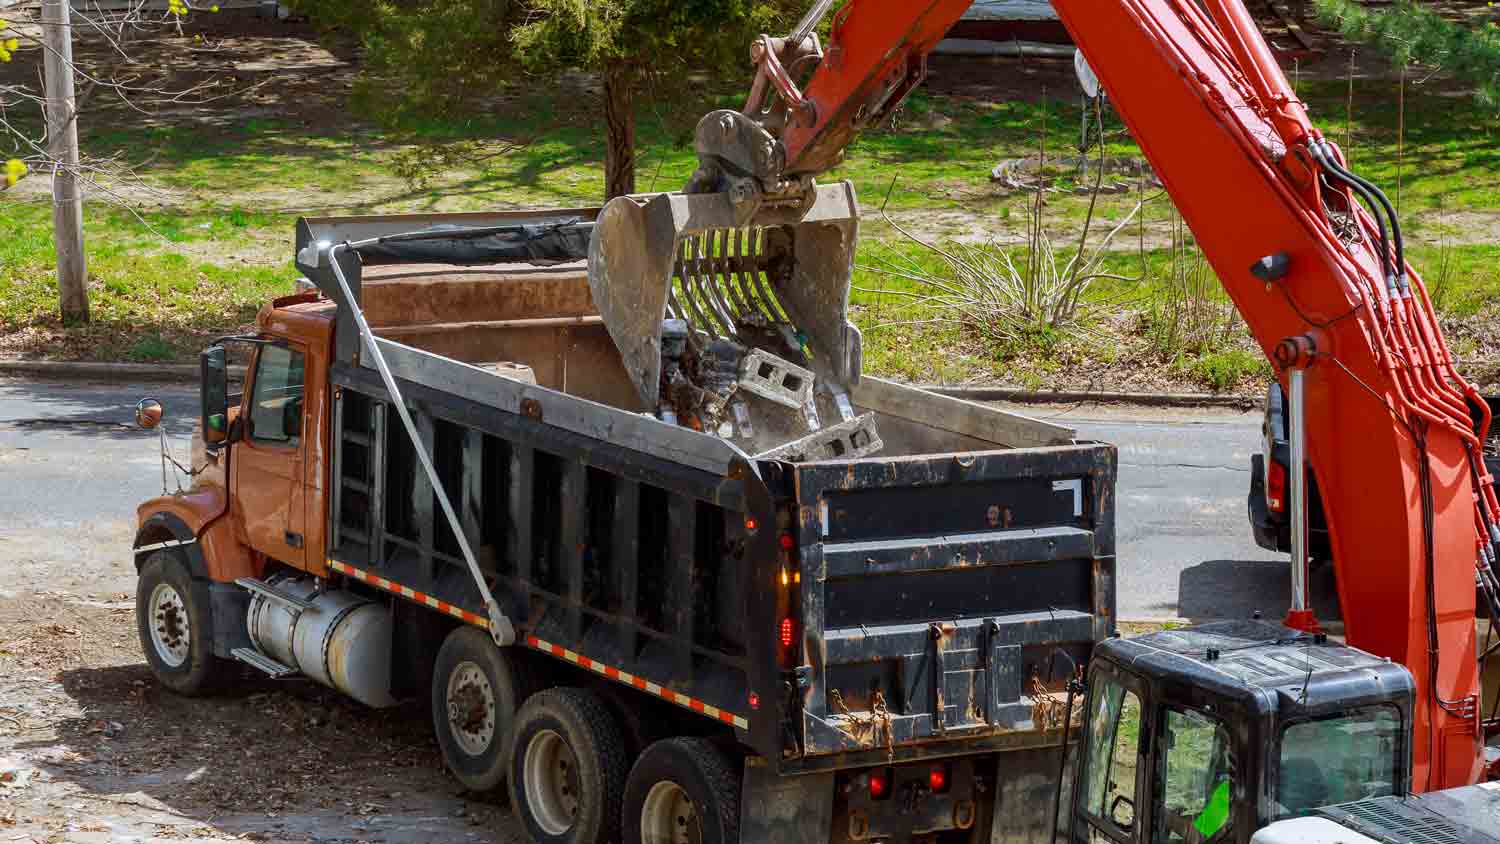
559	242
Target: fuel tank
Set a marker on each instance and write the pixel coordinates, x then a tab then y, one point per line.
342	641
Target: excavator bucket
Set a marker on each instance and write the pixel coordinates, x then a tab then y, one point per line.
705	308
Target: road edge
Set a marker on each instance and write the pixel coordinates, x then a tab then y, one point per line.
184	373
1018	396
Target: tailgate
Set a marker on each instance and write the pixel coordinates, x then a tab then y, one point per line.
940	592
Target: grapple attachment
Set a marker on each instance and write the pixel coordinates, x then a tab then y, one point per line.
763	303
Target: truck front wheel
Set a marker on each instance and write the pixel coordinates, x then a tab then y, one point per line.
568	772
683	791
476	689
175	623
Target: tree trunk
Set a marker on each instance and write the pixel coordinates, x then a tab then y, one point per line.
62	148
619	122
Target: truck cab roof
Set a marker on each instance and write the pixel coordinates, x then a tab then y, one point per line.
305	316
1267	668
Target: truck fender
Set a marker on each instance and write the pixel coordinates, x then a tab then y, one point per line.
164	523
163	529
190	523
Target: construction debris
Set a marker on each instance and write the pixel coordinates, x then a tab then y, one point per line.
764	397
845	441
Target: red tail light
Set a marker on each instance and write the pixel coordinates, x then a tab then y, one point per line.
880	784
787	633
788	542
1275	486
937	778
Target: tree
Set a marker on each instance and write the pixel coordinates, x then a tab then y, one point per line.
631	42
447	57
1409	33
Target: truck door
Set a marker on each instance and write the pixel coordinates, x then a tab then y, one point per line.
1116	764
267	466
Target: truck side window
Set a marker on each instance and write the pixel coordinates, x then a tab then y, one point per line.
1195	779
276	405
1113	752
1348	757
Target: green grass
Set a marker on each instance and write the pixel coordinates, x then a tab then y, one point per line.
147	303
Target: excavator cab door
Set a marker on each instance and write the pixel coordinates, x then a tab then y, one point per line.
1108	805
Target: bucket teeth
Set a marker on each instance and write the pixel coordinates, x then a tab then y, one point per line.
845	441
775	379
689	257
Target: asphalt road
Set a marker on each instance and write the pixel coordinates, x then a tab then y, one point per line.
73	467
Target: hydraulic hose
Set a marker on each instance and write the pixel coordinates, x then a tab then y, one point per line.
1385	203
1338	174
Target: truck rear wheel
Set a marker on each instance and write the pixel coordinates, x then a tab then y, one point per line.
175	623
568	772
682	791
476	689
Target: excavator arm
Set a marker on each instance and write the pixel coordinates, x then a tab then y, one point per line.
1310	253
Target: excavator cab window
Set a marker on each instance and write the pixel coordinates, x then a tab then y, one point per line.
1195	779
1114	760
1351	756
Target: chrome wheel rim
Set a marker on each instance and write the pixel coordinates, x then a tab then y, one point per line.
170	636
551	781
471	709
668	816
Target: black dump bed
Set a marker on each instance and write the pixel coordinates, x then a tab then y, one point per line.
930	599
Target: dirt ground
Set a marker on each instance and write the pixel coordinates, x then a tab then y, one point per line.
93	750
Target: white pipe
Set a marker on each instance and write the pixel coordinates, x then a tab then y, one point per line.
1296	406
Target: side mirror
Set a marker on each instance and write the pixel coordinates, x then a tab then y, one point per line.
1122	812
148	413
213	368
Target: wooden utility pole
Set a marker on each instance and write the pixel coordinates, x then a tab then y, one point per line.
62	146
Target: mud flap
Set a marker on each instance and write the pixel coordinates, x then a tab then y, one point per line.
784	809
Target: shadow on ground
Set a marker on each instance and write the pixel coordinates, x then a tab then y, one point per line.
1220	589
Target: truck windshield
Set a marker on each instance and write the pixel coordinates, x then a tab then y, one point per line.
1195	779
1337	760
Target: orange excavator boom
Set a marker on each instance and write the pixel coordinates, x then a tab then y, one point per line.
1310	253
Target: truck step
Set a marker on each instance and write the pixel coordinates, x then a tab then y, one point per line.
256	659
260	587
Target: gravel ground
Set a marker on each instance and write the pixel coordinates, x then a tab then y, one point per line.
93	750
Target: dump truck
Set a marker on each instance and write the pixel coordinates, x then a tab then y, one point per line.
439	481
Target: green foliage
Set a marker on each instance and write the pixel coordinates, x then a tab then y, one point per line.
152	348
655	37
425	58
1221	371
1410	33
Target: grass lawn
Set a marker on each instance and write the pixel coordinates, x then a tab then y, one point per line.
211	240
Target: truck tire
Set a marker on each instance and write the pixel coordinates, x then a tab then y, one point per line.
174	617
476	690
683	791
567	776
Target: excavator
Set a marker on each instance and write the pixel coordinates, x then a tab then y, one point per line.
1313	256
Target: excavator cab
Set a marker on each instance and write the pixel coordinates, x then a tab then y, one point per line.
1205	735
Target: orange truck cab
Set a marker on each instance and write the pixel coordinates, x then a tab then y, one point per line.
234	524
